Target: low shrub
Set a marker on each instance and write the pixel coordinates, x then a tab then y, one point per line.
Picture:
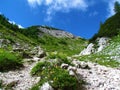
39	68
57	77
9	61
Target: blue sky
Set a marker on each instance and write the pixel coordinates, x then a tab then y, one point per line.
80	17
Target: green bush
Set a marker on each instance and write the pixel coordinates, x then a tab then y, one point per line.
60	77
57	77
39	68
62	80
9	61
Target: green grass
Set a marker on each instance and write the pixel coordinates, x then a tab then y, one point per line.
61	58
62	45
100	59
9	61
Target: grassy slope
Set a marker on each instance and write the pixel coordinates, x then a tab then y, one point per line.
63	46
66	46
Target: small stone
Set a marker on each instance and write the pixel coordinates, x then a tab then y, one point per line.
72	68
37	79
46	86
12	83
41	54
90	72
71	73
64	66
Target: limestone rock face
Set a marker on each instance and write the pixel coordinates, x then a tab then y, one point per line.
90	49
56	33
102	43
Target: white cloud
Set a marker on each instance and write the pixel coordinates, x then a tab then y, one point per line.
48	2
20	26
93	13
13	22
34	3
54	6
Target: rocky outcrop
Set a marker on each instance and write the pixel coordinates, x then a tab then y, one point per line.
101	43
90	49
56	33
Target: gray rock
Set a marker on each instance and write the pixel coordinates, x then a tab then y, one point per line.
56	33
41	54
46	86
71	73
12	83
80	64
26	55
102	43
90	49
84	65
38	52
4	42
18	49
72	68
64	66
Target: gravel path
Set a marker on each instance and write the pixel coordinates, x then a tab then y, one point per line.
20	79
100	77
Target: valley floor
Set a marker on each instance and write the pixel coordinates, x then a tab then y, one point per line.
97	77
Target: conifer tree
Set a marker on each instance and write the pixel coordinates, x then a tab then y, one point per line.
117	7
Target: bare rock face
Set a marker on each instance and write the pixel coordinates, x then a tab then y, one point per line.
46	86
102	43
56	33
90	49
